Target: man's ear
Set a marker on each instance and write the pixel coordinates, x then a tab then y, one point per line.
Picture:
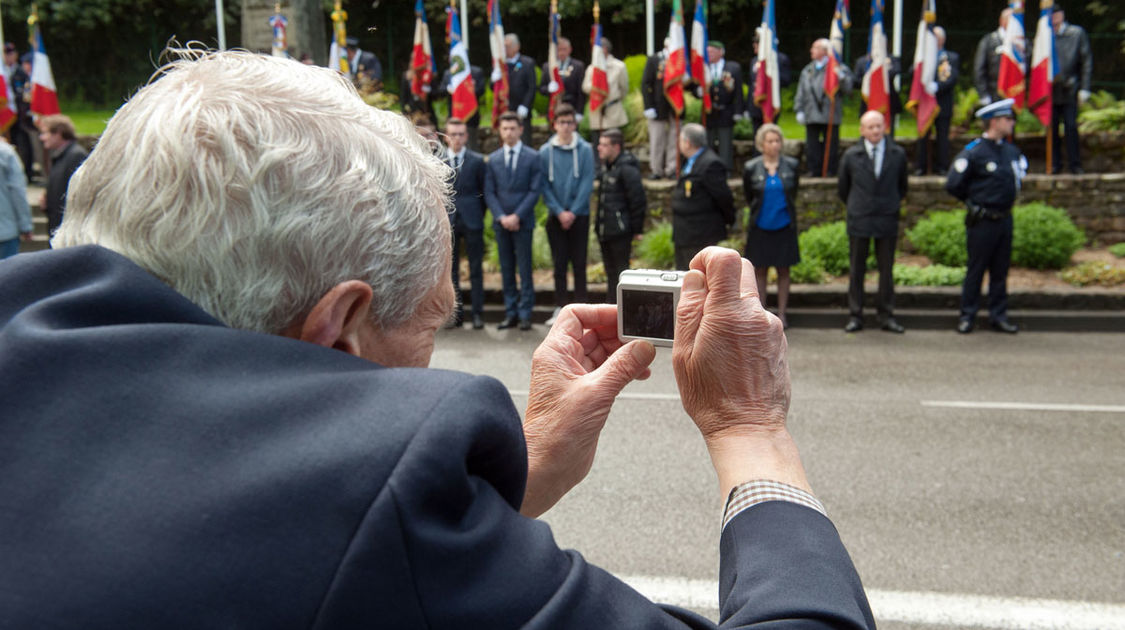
337	319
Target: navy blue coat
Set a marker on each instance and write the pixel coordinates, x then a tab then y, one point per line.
507	191
160	470
468	192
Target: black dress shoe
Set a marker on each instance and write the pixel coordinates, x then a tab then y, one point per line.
1078	170
854	325
965	326
1004	326
525	324
509	322
654	176
478	323
892	326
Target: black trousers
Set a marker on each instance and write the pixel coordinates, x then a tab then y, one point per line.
720	139
615	257
568	248
1067	114
684	254
474	244
885	260
815	137
21	140
941	148
990	248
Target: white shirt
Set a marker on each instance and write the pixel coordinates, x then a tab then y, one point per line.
512	154
879	152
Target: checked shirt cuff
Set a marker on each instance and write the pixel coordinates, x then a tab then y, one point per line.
746	495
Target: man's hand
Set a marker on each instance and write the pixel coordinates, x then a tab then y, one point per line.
576	373
650	114
510	222
729	357
801	118
43	202
521	111
566	219
1083	96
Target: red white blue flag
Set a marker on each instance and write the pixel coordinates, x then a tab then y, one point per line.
1044	66
499	66
767	82
700	62
1010	83
923	89
422	58
841	22
876	81
44	97
463	96
554	85
599	80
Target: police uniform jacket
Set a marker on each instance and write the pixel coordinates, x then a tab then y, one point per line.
572	72
702	202
1076	64
652	87
986	64
987	173
727	99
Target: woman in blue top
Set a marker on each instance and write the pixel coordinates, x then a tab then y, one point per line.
770	183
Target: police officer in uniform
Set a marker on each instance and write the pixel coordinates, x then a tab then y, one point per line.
986	176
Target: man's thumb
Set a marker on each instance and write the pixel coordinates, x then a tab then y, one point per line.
625	365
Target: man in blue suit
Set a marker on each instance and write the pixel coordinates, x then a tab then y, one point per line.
467	217
180	448
511	188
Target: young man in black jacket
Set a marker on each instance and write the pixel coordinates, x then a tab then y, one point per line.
621	207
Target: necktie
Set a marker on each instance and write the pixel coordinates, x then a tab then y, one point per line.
875	158
456	161
510	160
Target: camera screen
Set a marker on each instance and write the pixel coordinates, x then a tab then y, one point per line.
648	313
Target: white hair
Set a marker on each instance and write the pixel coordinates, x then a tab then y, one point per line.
254	184
513	39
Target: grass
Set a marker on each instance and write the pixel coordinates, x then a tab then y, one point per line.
88	121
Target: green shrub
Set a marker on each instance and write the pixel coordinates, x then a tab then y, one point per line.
1043	237
826	246
635	67
1093	273
1118	250
808	271
928	276
941	238
655	249
1103	112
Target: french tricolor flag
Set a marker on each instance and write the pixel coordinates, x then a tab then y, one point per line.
1010	83
876	82
1044	66
44	97
767	82
464	98
700	62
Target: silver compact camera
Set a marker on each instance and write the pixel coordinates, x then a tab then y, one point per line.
646	304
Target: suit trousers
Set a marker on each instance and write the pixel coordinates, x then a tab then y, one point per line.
568	249
663	147
720	139
990	248
474	137
684	254
1067	114
474	245
885	260
940	134
515	250
615	257
815	137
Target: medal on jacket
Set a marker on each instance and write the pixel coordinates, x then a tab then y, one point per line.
687	189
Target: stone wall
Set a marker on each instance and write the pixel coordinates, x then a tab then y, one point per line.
1096	203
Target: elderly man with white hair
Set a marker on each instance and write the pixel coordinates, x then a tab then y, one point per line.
815	110
217	411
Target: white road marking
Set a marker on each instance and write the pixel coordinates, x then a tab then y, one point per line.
621	396
957	610
1018	406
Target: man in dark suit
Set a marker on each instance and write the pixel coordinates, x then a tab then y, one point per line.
511	188
947	73
1071	88
473	123
56	133
467	217
521	83
194	452
571	72
727	103
872	184
702	203
365	66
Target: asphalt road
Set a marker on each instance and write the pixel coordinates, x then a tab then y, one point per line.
956	514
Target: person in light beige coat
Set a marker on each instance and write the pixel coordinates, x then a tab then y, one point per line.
612	114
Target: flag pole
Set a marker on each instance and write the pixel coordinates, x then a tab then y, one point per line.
828	136
650	28
221	25
465	27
